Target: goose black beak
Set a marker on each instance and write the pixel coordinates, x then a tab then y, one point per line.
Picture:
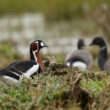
45	46
91	44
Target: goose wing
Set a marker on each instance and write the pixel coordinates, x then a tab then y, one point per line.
29	68
23	66
10	77
80	55
16	69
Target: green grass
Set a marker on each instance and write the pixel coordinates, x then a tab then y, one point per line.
52	9
47	89
8	53
93	85
60	58
51	91
62	88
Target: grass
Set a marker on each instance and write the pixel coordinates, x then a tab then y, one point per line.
48	90
61	88
53	91
8	53
95	86
58	10
52	9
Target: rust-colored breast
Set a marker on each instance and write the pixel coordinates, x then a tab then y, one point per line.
40	61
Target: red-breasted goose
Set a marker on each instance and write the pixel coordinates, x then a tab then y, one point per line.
15	71
103	59
80	58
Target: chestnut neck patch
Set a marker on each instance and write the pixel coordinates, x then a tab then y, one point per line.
34	46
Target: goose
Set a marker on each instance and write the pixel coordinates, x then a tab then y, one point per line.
14	73
103	59
80	58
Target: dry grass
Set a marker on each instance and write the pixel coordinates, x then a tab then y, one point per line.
54	90
59	88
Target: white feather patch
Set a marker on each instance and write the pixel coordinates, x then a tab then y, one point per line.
10	80
31	71
80	65
35	55
15	73
42	44
68	64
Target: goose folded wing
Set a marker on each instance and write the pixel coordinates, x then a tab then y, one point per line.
6	72
24	66
15	70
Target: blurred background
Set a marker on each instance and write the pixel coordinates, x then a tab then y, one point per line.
59	23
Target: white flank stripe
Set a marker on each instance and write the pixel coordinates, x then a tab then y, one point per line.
10	80
15	73
35	55
31	71
80	65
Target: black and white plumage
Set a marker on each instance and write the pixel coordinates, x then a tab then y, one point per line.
14	73
80	58
103	59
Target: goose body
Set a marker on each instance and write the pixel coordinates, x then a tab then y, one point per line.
107	65
103	59
14	73
80	58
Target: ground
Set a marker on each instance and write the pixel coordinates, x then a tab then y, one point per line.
59	88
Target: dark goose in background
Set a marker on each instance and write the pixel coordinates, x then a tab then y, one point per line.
14	73
103	59
80	58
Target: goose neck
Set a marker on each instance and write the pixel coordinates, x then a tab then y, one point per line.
102	57
36	57
39	60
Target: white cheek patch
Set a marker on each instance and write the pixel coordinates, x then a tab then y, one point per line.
42	44
36	42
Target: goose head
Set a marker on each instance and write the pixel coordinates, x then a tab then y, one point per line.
37	45
103	56
99	41
80	44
